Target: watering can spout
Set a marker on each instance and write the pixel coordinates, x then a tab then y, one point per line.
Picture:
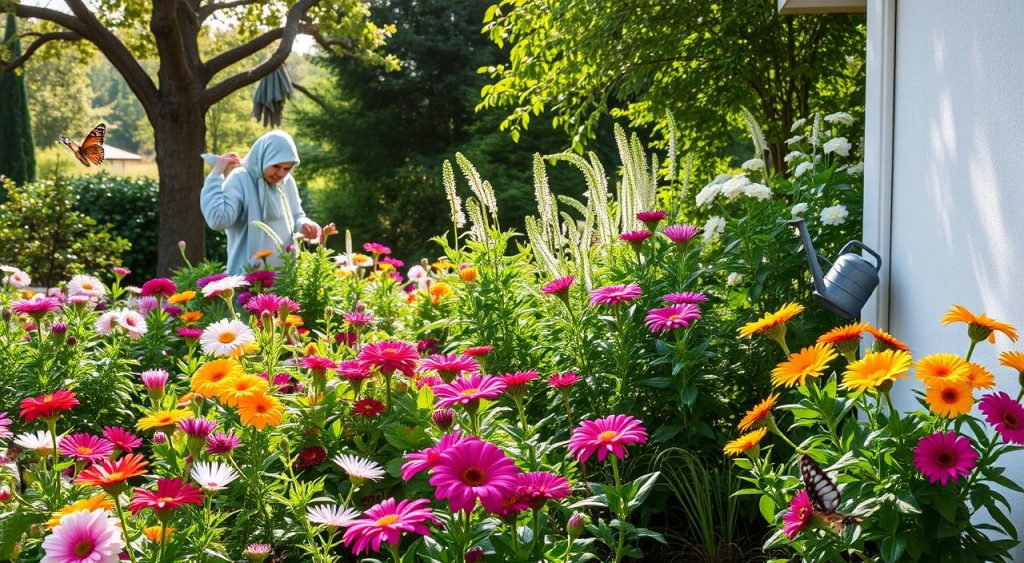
812	256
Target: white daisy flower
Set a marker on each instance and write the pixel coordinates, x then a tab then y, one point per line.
714	227
359	469
417	273
132	322
213	476
86	285
708	194
215	288
753	164
802	168
799	209
839	145
839	117
835	215
40	441
225	337
16	277
106	323
331	515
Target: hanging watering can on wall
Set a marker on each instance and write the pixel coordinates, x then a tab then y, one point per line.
849	282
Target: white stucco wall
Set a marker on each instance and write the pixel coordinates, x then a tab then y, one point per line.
952	226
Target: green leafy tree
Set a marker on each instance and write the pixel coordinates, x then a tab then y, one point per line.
59	98
385	135
19	161
703	61
190	79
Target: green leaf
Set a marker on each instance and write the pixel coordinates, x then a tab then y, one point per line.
893	548
767	507
654	382
643	486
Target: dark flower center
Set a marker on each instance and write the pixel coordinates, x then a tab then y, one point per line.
950	395
1010	421
945	459
474	476
83	548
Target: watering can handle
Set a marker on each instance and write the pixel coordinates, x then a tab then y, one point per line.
848	246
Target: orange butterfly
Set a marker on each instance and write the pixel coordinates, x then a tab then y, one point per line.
91	150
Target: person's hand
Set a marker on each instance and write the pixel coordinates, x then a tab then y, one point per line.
311	231
226	163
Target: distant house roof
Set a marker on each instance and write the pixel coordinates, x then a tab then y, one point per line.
114	153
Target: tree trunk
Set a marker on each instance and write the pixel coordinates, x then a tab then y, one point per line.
180	137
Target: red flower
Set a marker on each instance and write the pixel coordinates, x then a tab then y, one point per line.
390	356
159	286
515	383
563	380
478	351
47	405
311	456
170	495
367	407
111	475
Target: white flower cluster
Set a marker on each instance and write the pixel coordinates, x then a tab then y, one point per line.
713	228
732	187
734	279
835	215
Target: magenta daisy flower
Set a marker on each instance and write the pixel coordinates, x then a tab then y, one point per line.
635	238
558	286
681	234
354	370
672	317
563	380
85	447
944	456
317	363
270	304
190	334
610	434
85	536
220	443
799	515
392	261
263	278
614	294
650	219
390	355
477	351
471	470
684	297
376	248
159	286
426	459
1006	415
385	522
155	380
542	486
122	438
170	495
197	428
358	319
443	418
449	367
515	383
367	407
469	389
37	307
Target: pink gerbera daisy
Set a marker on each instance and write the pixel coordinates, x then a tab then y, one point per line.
221	443
1006	415
37	307
358	319
385	522
190	334
799	515
469	389
944	456
155	380
427	458
390	355
681	234
558	286
672	317
263	278
170	495
542	486
197	428
122	438
270	304
635	238
88	536
478	351
614	294
85	447
5	426
449	367
515	383
563	380
376	248
650	219
685	297
159	286
606	435
367	407
317	363
471	470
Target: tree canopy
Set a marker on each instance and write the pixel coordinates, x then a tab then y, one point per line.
574	60
18	160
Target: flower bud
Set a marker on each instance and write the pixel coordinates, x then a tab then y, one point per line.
574	527
443	418
475	555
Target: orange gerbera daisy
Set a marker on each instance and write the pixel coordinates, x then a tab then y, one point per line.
163	420
846	339
876	369
809	362
190	318
760	412
181	298
260	410
979	378
208	378
439	291
745	442
979	327
772	320
153	533
263	254
1013	360
886	341
234	388
111	475
95	502
942	367
950	398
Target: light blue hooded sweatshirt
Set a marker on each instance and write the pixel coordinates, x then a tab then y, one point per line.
231	205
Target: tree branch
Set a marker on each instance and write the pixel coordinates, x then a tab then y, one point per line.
60	18
232	56
86	24
220	90
166	29
208	9
316	99
42	39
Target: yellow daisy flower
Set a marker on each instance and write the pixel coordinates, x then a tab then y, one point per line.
979	327
876	369
95	502
745	442
163	420
809	362
942	367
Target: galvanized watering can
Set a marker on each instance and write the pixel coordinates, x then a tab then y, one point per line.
849	282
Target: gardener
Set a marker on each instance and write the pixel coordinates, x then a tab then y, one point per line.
239	192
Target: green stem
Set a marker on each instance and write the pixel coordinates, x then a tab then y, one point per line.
163	540
622	517
394	552
971	350
124	528
52	424
536	531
